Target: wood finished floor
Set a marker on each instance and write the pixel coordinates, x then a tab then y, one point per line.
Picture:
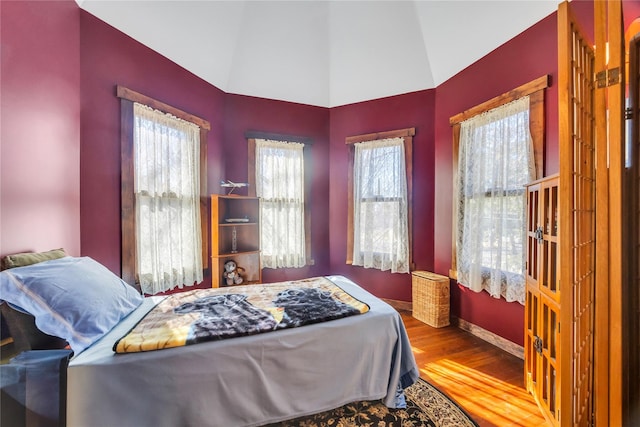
487	382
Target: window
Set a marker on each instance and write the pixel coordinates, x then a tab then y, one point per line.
277	177
161	195
496	157
379	201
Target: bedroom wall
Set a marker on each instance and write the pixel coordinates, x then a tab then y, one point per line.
110	58
631	12
414	109
49	177
40	115
246	113
526	57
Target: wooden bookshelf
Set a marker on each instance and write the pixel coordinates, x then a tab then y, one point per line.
235	235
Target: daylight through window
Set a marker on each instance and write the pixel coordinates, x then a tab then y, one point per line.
495	161
380	218
167	192
279	181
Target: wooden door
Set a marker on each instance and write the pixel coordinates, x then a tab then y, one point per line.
532	298
542	308
576	59
611	376
632	226
618	281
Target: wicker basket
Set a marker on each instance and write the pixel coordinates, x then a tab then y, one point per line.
430	298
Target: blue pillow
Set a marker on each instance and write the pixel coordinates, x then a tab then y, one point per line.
77	299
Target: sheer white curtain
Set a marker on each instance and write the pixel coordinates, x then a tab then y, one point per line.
380	223
167	193
495	162
280	186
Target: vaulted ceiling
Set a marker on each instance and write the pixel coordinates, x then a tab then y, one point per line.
321	52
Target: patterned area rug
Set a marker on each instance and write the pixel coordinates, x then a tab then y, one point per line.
426	406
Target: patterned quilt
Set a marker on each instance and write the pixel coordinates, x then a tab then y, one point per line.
218	313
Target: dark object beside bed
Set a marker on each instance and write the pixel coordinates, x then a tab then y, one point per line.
22	326
33	384
33	389
25	334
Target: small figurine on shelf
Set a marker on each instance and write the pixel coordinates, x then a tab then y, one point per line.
232	273
232	185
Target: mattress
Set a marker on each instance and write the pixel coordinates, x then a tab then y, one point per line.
244	381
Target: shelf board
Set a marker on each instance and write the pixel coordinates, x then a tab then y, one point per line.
227	255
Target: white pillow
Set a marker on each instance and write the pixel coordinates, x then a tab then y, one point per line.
77	299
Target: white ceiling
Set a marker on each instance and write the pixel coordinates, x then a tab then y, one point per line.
321	52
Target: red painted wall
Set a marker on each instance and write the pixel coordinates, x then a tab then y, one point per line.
246	113
630	12
522	59
40	115
61	152
528	56
110	58
416	110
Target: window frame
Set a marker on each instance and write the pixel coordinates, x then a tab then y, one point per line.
407	135
535	90
127	198
251	137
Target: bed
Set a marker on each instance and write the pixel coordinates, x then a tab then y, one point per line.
243	381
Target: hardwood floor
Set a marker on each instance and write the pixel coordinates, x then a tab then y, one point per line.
487	382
